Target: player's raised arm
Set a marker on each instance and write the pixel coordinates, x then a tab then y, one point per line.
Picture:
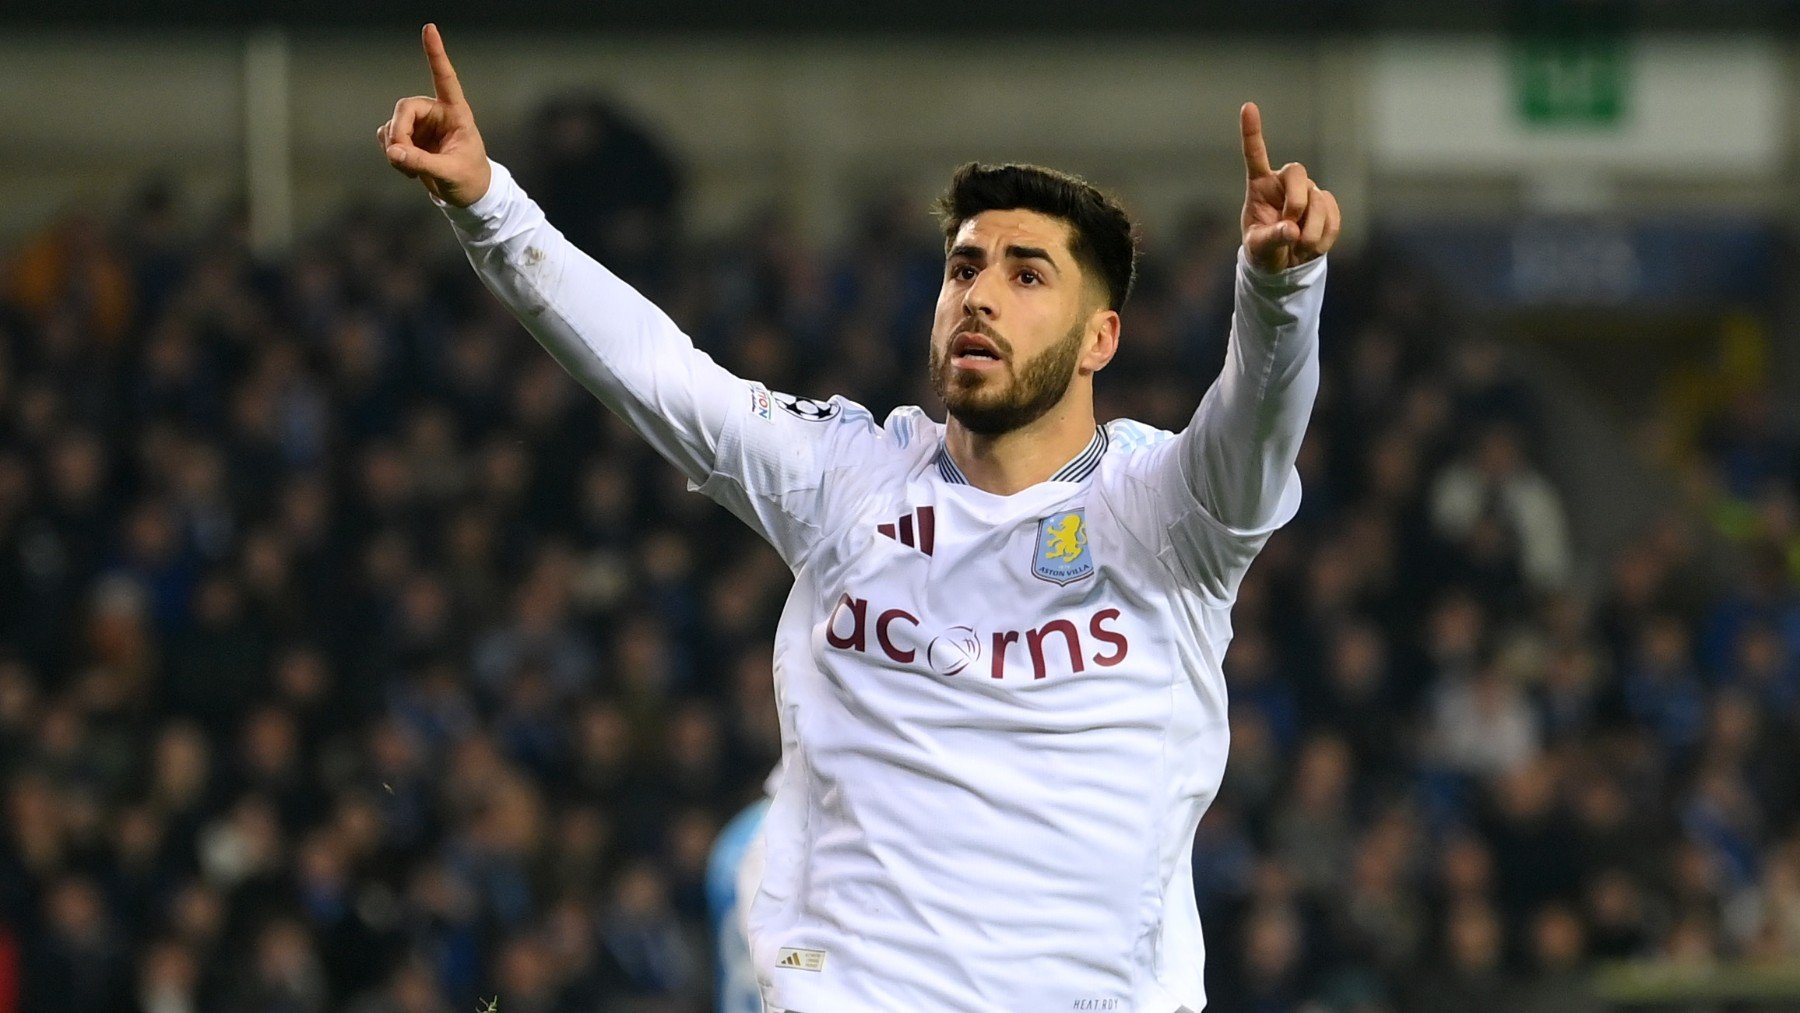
1238	453
616	343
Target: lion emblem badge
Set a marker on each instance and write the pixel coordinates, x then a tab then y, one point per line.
1062	556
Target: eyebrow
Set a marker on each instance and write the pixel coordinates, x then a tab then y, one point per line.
1014	252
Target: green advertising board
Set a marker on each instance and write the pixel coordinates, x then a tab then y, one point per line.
1575	80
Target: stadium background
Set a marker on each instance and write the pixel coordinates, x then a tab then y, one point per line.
352	658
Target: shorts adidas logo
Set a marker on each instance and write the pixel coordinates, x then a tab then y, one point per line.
800	960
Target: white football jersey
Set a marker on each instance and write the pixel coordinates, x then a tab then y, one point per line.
1002	716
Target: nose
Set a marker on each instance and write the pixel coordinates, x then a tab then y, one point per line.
978	298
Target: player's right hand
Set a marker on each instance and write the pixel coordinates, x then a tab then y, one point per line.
434	140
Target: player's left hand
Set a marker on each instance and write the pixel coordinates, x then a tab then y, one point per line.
1288	219
433	139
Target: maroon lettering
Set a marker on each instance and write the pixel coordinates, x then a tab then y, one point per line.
1034	639
854	640
881	634
1105	635
1001	640
848	629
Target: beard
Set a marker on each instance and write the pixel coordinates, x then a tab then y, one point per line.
991	406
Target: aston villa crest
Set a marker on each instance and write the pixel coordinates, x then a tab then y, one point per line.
1062	555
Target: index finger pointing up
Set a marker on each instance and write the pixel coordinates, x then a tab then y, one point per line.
1256	154
443	76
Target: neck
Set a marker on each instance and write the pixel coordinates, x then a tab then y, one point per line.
1010	462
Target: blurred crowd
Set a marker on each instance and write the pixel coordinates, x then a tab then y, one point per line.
352	658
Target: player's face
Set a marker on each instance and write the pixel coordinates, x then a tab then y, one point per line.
1012	322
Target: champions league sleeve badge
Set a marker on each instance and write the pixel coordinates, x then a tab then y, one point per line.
1061	555
810	409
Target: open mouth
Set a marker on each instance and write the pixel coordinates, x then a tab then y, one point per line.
974	350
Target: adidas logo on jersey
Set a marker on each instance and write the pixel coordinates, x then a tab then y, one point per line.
921	535
800	960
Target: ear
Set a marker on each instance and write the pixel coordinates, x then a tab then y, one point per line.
1102	341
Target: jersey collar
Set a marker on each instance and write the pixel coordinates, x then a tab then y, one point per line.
1081	467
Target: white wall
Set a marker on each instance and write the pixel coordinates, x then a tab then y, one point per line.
804	123
1695	109
1395	128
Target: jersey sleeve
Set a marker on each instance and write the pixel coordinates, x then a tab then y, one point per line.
781	458
1228	481
762	455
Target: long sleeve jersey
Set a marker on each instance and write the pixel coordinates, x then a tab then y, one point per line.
1002	716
